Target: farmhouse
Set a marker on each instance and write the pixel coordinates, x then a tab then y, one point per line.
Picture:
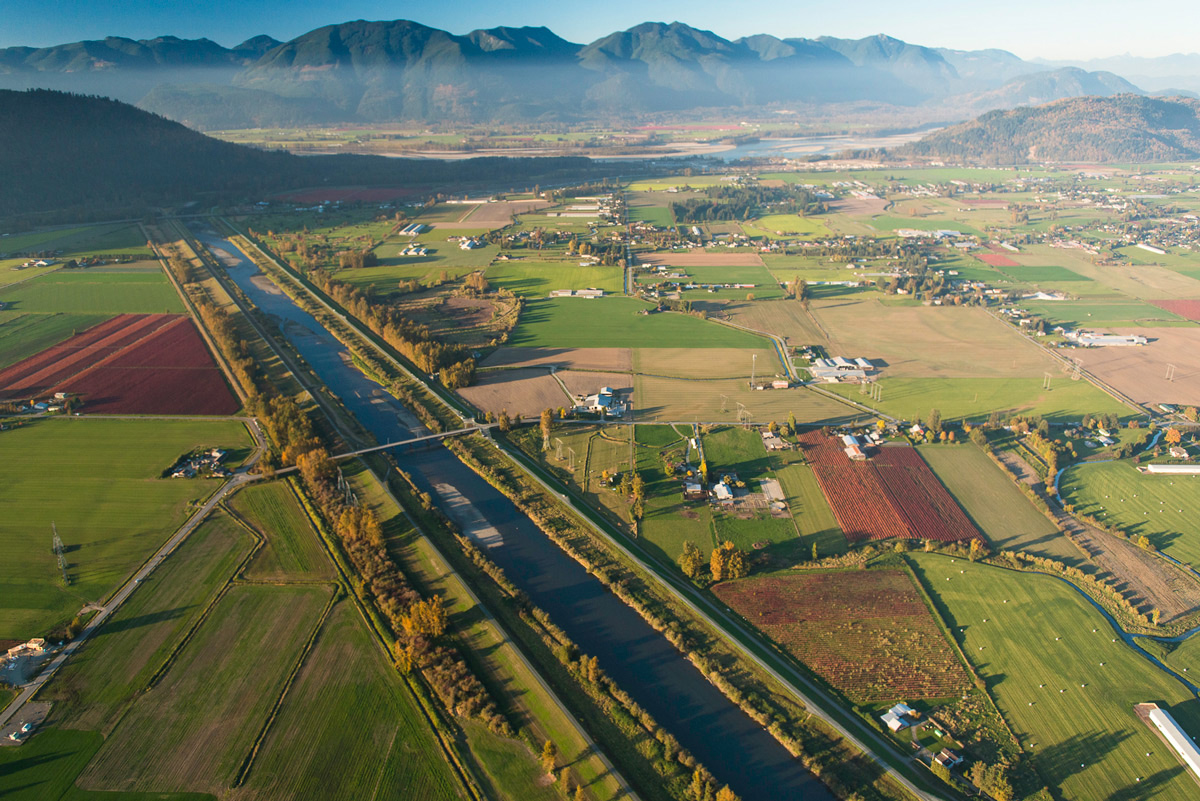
577	293
948	759
896	718
773	442
606	401
694	492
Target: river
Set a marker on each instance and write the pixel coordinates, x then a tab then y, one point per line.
729	743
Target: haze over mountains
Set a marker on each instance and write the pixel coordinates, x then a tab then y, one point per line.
371	72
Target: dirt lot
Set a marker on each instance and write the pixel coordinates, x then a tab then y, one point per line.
937	341
525	392
496	215
613	360
702	259
590	383
1140	372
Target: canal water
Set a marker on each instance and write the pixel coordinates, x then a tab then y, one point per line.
729	743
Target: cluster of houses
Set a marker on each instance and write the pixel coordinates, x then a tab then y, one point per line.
35	647
34	263
204	463
469	242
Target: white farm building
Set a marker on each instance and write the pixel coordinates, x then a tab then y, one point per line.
1173	733
1089	339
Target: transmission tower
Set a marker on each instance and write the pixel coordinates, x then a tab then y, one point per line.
58	552
724	404
753	366
1170	372
558	450
571	451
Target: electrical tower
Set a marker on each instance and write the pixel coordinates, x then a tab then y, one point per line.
58	552
753	365
558	452
1170	372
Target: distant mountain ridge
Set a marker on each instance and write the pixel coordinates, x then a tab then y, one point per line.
1121	128
400	70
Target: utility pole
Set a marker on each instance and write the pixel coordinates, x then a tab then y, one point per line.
58	552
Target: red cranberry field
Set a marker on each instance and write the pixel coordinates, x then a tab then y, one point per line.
892	495
867	633
131	364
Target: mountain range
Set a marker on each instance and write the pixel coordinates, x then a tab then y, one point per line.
372	72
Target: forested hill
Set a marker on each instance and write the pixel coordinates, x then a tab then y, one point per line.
100	158
1122	128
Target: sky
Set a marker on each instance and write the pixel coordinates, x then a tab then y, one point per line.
1049	29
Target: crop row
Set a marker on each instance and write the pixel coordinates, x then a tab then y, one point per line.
892	495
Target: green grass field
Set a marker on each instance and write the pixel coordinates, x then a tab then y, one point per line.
655	215
975	398
728	448
197	725
1092	314
1005	516
98	481
616	323
85	292
23	335
292	548
537	279
1064	686
1042	275
781	226
94	240
1161	507
100	681
811	511
347	729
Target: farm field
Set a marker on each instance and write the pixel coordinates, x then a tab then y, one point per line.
974	398
94	240
1141	372
617	323
107	499
601	359
500	213
867	633
147	364
22	335
1112	311
1160	507
85	292
779	226
716	400
98	683
785	319
698	363
1005	516
1064	685
224	680
538	279
1143	281
810	510
291	549
347	729
892	495
523	391
1183	308
936	342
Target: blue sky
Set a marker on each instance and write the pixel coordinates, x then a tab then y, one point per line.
1029	28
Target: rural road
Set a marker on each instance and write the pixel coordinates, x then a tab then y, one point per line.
30	689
